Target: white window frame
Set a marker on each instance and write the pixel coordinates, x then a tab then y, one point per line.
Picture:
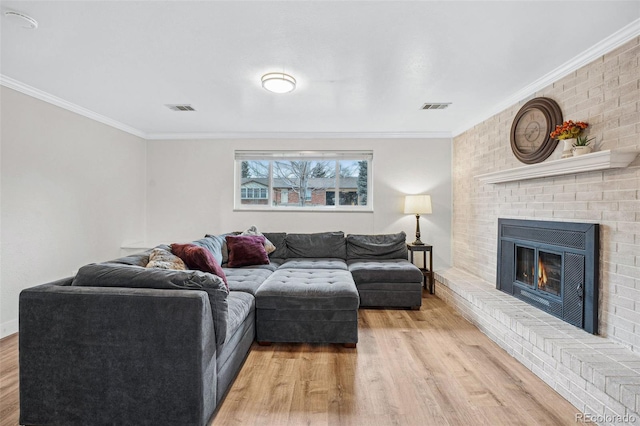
272	156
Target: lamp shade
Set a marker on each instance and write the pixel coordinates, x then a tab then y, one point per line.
417	204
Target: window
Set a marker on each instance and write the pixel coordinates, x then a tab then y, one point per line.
304	180
254	193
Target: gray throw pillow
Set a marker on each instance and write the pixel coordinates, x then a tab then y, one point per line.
223	246
213	243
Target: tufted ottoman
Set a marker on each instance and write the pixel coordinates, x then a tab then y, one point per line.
387	283
308	306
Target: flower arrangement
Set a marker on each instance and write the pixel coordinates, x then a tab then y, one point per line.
568	130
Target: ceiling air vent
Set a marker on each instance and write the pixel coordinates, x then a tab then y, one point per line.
442	105
185	107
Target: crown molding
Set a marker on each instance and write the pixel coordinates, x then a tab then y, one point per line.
54	100
301	135
604	46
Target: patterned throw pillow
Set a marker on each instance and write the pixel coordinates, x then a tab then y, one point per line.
246	250
163	259
268	245
199	258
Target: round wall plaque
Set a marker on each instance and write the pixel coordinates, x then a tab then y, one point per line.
530	140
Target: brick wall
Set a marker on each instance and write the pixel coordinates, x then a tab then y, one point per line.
606	94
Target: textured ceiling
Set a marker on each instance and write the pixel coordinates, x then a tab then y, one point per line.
362	67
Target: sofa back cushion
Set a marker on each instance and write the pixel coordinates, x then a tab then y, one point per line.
278	240
118	275
324	244
387	246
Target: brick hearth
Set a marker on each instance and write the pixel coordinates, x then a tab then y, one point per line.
599	377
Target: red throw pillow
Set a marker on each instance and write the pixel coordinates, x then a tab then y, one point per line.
199	258
246	250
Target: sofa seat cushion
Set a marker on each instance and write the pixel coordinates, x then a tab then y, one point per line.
242	333
317	263
268	267
246	279
384	271
308	289
240	305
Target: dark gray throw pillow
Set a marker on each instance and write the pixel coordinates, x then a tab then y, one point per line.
385	246
324	244
129	276
277	238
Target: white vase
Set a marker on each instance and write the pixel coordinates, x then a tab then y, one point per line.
581	150
568	148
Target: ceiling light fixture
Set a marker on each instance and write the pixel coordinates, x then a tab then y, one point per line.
278	82
25	21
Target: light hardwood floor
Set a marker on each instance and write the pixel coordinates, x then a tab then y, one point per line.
9	409
426	367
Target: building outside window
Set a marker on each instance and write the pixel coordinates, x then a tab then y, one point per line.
303	180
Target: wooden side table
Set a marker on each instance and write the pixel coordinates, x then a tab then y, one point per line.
427	272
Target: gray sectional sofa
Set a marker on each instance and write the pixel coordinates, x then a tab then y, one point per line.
121	344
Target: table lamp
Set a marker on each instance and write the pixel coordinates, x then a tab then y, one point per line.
417	204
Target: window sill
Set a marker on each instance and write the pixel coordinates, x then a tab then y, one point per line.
301	209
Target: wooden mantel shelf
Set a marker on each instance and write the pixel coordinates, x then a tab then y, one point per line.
600	160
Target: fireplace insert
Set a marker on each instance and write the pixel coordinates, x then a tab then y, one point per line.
552	266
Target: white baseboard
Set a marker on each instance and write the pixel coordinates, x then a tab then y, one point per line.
8	328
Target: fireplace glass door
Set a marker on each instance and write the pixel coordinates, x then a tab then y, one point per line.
525	265
550	272
539	269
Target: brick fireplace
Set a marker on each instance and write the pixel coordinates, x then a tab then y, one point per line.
606	94
597	373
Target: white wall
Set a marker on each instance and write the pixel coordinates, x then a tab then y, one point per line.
190	190
72	191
